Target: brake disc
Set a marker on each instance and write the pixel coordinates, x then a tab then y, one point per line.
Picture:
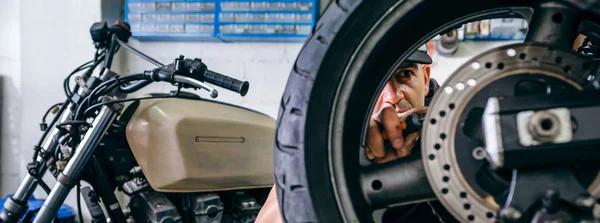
452	141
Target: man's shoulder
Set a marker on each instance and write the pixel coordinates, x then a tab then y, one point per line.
433	87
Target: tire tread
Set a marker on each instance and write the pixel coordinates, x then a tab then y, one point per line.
290	174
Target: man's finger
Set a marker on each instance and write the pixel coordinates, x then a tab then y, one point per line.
409	144
378	114
375	140
369	153
391	123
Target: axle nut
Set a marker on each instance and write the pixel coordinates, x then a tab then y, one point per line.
544	126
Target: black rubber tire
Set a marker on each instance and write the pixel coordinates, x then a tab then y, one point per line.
305	116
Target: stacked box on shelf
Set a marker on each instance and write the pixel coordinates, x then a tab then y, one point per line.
256	19
175	18
223	19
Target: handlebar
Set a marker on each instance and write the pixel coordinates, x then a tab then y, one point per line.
135	86
189	72
227	82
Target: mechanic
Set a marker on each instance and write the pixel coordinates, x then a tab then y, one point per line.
408	91
403	95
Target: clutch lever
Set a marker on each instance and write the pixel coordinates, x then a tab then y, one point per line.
196	83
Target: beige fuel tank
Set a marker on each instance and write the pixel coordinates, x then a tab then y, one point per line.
189	145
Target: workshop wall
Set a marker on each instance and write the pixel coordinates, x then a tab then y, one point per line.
10	79
54	40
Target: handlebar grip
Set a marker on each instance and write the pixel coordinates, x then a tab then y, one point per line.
227	82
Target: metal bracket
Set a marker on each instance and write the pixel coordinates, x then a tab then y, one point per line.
546	126
492	133
65	180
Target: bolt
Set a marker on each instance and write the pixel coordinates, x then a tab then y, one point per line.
510	213
586	201
479	153
544	126
214	93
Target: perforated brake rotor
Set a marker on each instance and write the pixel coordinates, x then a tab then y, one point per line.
452	143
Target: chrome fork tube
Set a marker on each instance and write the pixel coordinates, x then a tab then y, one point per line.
70	174
24	191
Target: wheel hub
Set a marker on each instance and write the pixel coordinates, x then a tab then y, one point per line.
459	165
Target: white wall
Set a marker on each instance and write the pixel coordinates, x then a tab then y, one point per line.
10	73
55	40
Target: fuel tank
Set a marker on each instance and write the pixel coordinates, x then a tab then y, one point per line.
197	145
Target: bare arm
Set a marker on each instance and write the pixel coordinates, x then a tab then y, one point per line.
269	213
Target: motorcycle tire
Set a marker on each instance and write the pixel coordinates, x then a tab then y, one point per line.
345	59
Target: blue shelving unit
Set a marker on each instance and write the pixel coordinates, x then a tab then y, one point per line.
221	20
495	37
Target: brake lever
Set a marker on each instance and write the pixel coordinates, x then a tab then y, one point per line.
196	83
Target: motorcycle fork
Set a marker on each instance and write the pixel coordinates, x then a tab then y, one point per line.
15	207
70	175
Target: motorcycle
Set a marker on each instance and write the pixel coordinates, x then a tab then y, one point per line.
510	136
176	156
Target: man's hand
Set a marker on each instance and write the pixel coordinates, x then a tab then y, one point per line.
391	122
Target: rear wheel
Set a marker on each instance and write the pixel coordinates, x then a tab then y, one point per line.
320	173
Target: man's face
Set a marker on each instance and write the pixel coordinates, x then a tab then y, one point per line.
407	88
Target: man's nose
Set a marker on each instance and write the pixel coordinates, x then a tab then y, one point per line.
394	96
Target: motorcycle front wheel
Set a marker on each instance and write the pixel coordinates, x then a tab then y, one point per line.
319	171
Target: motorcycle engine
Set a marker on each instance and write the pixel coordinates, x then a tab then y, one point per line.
151	206
156	207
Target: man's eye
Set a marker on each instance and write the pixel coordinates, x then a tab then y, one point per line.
404	74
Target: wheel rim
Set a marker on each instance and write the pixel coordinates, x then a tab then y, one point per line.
350	197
